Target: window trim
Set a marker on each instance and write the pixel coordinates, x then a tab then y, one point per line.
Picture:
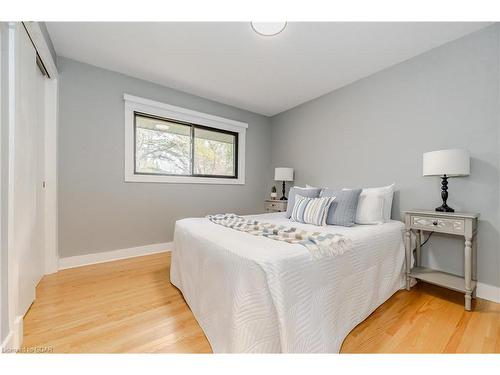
152	108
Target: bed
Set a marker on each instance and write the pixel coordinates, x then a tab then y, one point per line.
255	294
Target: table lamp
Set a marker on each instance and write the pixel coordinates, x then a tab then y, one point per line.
446	163
283	174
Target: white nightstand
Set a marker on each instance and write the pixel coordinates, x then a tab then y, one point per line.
457	223
272	205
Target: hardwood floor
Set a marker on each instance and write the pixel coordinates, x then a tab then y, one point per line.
123	306
428	319
130	306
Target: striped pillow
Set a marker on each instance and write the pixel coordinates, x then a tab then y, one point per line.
311	210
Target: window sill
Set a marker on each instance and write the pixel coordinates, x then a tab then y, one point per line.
183	179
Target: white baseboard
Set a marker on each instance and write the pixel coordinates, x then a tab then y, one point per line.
108	256
8	342
14	339
51	265
489	292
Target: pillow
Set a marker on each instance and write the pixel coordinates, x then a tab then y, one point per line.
310	193
388	194
370	200
370	208
388	198
343	209
311	210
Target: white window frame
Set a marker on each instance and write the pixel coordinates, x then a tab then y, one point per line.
136	104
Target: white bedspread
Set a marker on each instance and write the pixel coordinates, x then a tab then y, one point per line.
254	294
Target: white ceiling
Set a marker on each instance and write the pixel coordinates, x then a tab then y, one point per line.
231	64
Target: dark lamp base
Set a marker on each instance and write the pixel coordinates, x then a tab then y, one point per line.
444	196
283	198
445	208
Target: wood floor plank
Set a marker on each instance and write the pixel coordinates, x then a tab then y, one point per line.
129	306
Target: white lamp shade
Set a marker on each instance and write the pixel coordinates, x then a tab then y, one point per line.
451	163
283	174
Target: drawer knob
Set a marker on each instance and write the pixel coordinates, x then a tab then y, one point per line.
434	223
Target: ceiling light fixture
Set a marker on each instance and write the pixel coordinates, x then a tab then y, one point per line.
162	127
268	28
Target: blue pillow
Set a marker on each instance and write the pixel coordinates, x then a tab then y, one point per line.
305	192
311	210
343	208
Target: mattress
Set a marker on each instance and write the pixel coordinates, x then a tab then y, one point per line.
255	294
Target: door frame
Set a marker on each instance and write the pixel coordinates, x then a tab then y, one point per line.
3	255
51	119
14	337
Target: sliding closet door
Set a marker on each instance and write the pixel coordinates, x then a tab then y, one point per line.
28	172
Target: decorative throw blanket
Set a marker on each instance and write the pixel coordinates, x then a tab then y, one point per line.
319	244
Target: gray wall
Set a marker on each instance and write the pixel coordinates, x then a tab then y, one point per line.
374	131
98	211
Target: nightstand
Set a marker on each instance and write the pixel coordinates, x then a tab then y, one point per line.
457	223
272	205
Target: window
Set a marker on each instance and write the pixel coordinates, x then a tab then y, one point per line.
167	147
215	153
164	143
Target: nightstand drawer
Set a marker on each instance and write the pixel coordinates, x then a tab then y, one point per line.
436	224
276	206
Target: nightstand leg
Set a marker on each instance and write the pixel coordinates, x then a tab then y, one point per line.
418	240
468	273
474	262
408	256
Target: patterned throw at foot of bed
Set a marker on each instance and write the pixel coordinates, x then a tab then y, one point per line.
319	244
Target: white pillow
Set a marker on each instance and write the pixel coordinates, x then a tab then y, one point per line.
375	205
370	208
388	192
